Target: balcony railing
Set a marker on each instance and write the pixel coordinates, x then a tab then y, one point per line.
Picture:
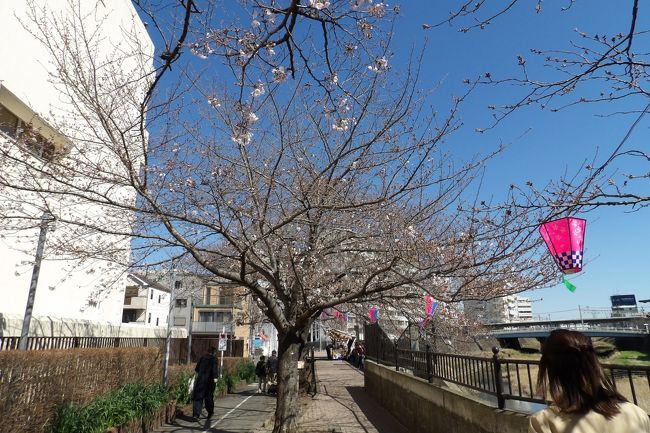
212	327
236	304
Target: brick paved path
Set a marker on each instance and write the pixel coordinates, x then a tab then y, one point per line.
343	405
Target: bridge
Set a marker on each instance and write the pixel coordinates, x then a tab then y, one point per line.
627	332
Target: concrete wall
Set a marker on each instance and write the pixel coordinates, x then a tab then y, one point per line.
424	408
157	307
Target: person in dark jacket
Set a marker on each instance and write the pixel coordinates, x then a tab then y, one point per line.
260	371
207	373
272	367
350	342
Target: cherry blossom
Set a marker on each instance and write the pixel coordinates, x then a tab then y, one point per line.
258	89
279	74
319	4
380	65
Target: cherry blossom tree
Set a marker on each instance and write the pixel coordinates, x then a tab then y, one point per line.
593	68
285	155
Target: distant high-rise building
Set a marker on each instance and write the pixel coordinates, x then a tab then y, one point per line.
623	305
511	308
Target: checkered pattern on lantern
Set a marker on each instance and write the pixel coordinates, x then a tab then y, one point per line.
568	260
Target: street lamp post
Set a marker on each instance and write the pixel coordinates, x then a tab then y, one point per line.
189	334
168	336
46	219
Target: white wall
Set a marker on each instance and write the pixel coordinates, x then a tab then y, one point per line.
92	289
157	307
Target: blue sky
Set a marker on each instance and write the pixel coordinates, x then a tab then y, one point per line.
553	143
616	241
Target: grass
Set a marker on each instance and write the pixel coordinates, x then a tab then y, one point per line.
629	357
116	408
138	401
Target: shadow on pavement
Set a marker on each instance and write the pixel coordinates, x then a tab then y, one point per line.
379	417
184	424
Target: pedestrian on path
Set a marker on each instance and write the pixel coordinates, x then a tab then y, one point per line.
360	355
584	398
272	367
207	373
260	371
350	342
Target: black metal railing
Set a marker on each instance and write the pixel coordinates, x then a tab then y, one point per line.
505	379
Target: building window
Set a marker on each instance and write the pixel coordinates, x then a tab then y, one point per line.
225	295
206	316
179	321
26	134
215	317
157	321
159	298
181	303
151	295
149	319
178	285
208	295
8	122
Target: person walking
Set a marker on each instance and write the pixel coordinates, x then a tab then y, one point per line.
207	373
272	367
584	399
360	355
350	342
260	371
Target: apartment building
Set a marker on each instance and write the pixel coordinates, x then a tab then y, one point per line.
506	309
145	302
31	104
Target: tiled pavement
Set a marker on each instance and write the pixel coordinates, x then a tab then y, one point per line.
341	405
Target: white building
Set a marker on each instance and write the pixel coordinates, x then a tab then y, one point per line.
511	308
30	103
145	302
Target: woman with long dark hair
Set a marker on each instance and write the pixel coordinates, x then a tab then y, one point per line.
584	398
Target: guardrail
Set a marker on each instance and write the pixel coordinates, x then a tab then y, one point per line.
578	327
505	379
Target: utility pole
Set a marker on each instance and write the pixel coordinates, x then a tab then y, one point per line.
582	323
189	334
46	219
168	338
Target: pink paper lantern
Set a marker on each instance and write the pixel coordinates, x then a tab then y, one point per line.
565	241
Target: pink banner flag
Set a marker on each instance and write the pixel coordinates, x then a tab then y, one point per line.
428	304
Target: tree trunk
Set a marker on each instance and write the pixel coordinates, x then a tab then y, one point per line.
286	410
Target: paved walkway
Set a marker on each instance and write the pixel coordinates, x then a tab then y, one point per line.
243	412
342	405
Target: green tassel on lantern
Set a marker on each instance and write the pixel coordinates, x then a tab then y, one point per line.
568	284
